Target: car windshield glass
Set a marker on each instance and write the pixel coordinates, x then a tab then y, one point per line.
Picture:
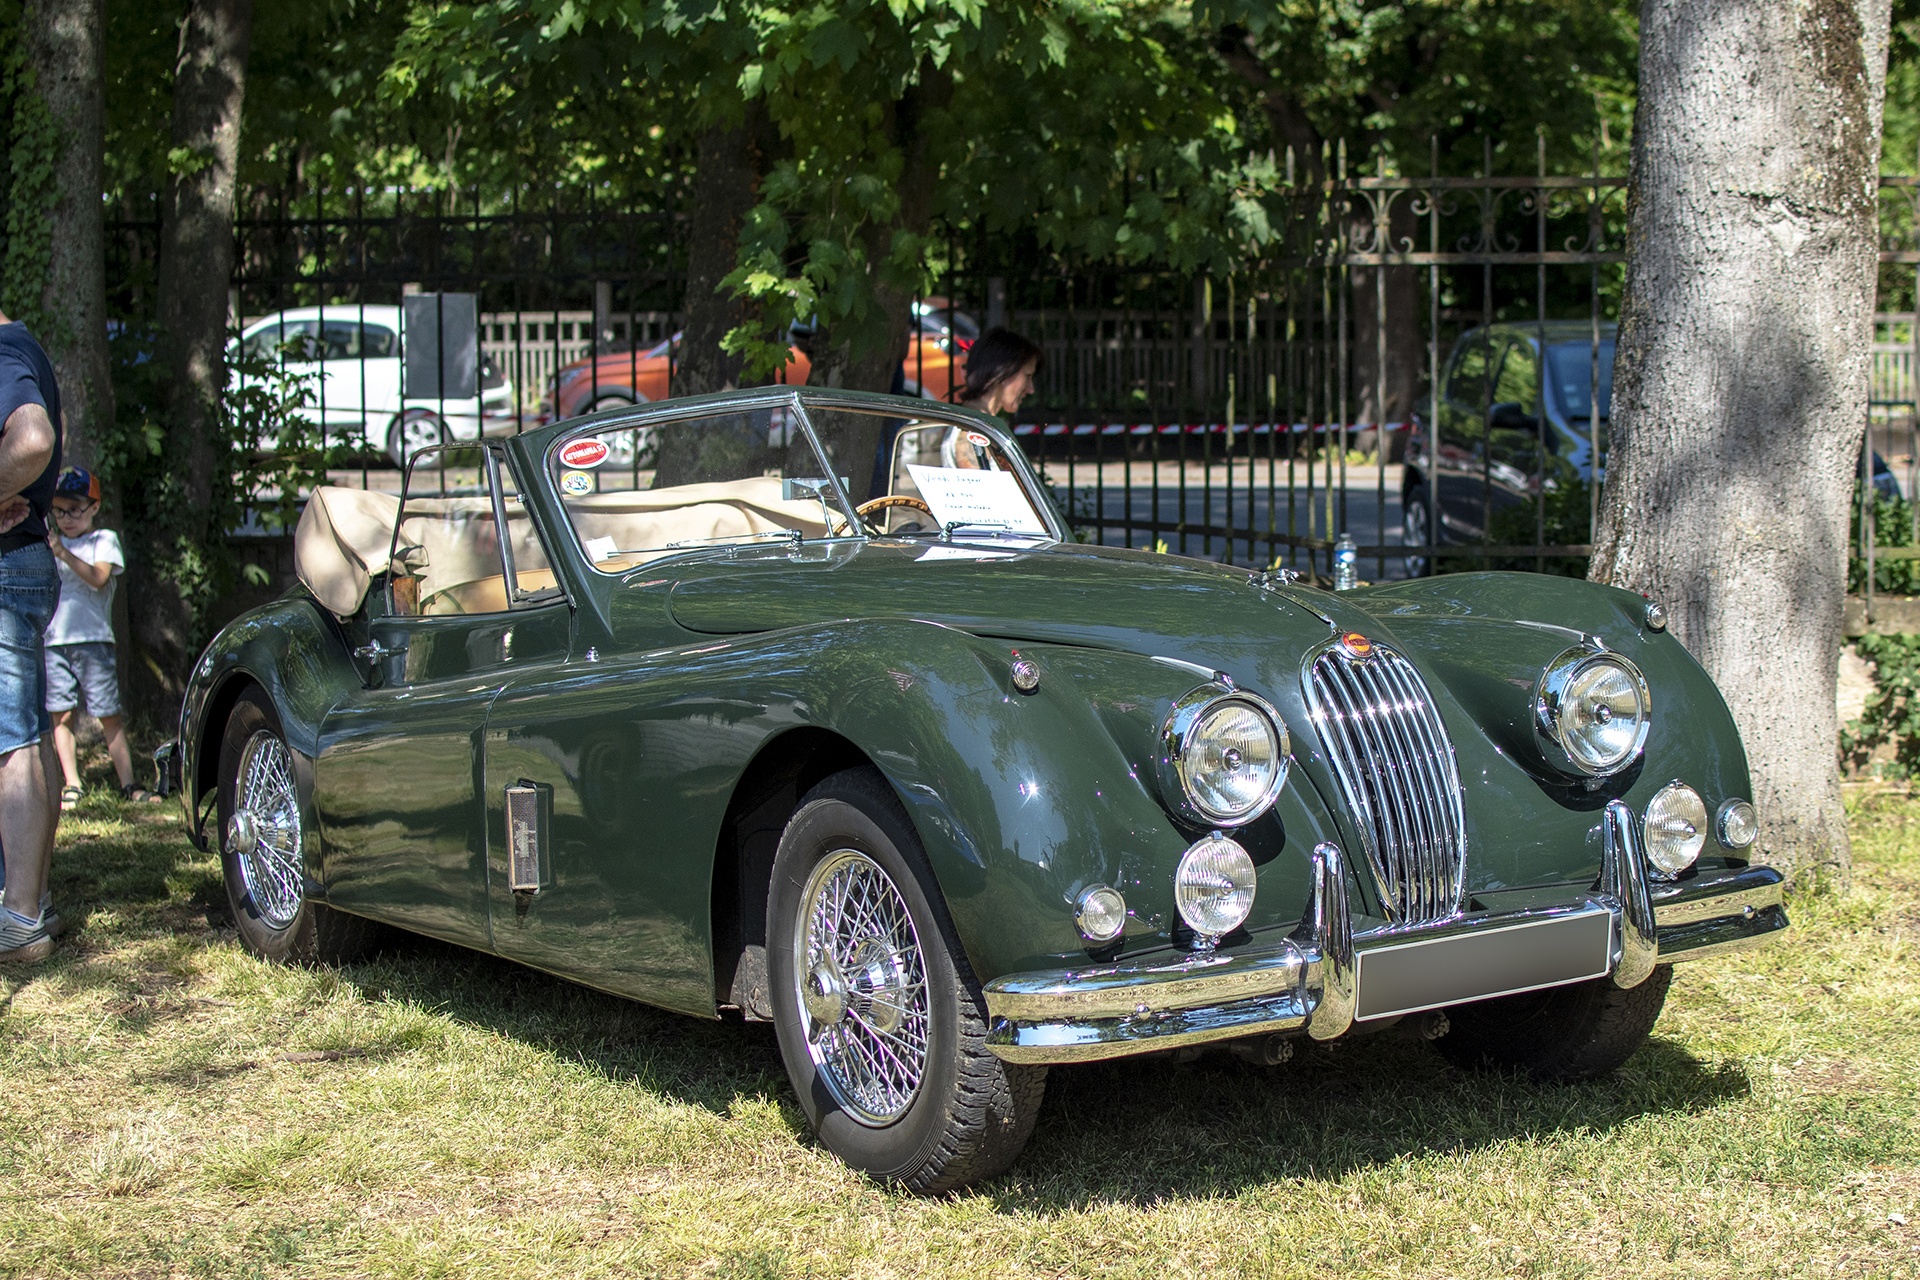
942	476
1572	364
638	490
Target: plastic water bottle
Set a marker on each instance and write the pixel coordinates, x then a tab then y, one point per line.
1345	575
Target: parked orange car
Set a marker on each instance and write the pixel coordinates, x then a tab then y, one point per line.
935	367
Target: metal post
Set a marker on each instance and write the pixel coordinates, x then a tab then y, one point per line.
1383	245
1433	365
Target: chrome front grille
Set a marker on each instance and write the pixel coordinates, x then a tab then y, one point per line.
1395	765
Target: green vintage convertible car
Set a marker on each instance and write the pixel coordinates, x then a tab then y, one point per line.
767	702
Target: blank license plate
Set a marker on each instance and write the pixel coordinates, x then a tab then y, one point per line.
1427	974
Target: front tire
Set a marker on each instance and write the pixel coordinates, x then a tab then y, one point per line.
262	833
1559	1035
1416	523
881	1023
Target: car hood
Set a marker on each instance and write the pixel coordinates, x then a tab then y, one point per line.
1478	640
1097	597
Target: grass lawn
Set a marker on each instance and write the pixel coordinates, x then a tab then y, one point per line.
175	1108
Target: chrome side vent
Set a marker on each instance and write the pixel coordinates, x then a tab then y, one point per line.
1396	769
526	837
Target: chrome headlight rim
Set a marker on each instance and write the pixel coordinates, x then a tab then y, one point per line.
1723	818
1549	697
1190	711
1242	878
1665	796
1086	906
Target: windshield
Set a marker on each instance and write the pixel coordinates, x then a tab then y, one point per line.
925	477
1573	376
638	490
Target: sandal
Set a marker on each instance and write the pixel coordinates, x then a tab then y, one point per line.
69	799
138	794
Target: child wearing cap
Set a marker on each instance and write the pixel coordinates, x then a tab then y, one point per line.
79	639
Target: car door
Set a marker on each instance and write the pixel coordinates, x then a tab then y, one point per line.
375	349
1462	462
1513	425
397	778
607	776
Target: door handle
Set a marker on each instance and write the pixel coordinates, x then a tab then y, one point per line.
374	651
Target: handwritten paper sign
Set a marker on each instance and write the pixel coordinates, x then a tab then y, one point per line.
990	499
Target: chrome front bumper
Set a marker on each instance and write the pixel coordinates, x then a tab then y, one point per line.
1317	980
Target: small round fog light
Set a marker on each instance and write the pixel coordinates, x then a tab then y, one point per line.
1738	824
1213	887
1676	829
1101	913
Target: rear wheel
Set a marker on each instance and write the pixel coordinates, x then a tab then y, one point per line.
412	431
881	1023
1558	1035
262	832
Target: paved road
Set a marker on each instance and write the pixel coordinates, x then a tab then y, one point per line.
1245	509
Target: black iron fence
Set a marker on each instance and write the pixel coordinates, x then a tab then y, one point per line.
1390	367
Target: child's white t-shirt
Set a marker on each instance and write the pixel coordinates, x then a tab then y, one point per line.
85	614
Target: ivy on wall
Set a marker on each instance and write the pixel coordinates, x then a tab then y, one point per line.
29	192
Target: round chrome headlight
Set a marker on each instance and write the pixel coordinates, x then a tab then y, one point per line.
1100	912
1738	825
1676	828
1592	711
1223	756
1213	886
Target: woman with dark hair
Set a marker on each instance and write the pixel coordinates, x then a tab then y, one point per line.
1000	369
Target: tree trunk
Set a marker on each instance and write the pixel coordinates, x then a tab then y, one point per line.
196	264
867	359
64	40
730	162
726	184
1740	388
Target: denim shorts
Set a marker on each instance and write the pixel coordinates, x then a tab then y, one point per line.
82	677
29	589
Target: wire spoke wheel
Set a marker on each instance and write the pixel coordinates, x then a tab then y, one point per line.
264	832
862	988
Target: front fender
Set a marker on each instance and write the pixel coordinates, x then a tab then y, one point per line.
1023	800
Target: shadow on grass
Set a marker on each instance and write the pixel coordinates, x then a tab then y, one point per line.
1130	1131
1134	1131
1140	1132
715	1064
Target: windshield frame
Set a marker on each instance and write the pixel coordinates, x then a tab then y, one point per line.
664	414
1022	469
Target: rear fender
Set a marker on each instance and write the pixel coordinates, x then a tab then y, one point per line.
292	651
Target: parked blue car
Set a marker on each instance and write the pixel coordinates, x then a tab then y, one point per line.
1499	435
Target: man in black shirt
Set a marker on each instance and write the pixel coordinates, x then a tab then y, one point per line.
29	589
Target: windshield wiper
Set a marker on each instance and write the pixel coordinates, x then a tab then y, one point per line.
795	534
989	528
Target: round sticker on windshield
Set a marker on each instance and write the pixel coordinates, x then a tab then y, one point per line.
975	438
590	452
576	484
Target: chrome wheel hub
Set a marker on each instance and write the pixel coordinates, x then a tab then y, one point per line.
862	988
242	838
263	835
825	995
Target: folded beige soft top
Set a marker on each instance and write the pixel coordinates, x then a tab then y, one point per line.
341	542
345	535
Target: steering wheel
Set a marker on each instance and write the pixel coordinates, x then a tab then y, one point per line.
876	505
